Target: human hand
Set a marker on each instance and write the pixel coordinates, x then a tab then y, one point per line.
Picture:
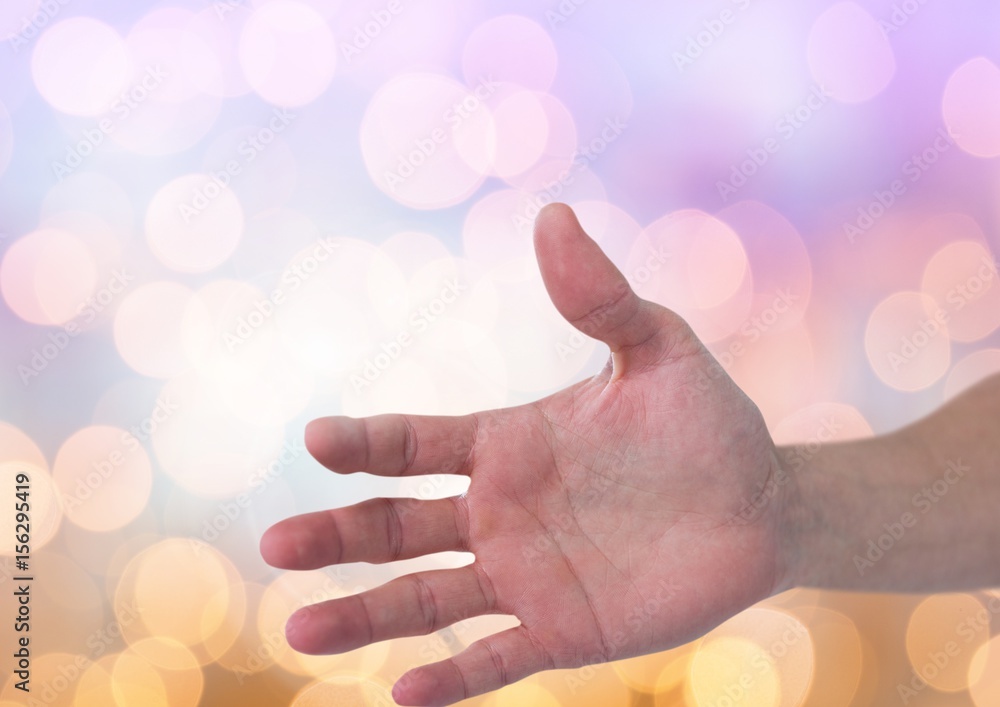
627	514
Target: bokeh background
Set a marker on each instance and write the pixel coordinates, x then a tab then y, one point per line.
219	220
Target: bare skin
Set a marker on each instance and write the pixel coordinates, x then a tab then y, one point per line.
627	514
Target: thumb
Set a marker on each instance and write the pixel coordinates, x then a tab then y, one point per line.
594	296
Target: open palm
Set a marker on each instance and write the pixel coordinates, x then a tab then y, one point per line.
627	514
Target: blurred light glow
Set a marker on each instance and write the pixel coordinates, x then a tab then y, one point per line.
498	228
972	369
766	653
542	350
344	690
971	107
95	686
984	674
522	133
104	478
526	692
222	463
694	264
81	66
822	423
733	663
427	139
161	38
907	348
16	446
779	261
47	276
150	325
194	222
189	593
177	666
510	49
223	75
839	658
951	625
287	53
135	682
658	672
15	17
962	278
849	54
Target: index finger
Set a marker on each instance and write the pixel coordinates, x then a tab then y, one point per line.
394	445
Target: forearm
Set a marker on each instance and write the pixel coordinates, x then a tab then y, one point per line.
917	510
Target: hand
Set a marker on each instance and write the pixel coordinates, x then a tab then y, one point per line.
627	514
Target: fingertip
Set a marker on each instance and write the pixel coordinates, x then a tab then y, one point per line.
418	688
305	635
268	548
316	437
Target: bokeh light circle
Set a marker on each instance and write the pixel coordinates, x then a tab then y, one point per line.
345	690
150	325
849	54
972	369
194	222
908	348
81	66
47	276
971	107
287	53
427	140
963	280
942	637
764	654
189	593
984	674
695	264
511	49
104	477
